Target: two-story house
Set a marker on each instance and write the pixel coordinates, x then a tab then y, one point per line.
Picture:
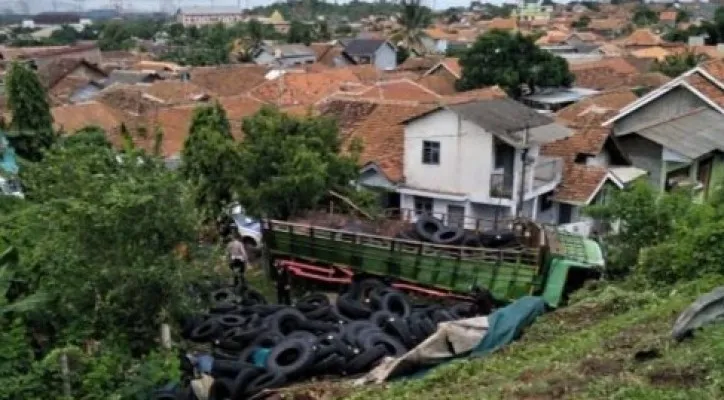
478	160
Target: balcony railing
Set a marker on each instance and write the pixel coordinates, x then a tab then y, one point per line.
545	171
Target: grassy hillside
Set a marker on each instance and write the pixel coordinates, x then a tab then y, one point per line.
612	343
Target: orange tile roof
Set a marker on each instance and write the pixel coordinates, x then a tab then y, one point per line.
618	64
552	37
487	93
70	118
642	37
419	63
715	68
711	52
175	122
707	88
646	79
605	74
667	16
613	101
579	182
297	89
453	65
607	24
348	113
654	52
402	90
228	80
505	24
175	92
440	84
382	134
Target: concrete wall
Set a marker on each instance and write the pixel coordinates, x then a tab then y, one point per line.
385	58
676	102
466	155
644	154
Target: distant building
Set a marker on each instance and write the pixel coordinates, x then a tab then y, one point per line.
284	55
200	16
378	52
276	20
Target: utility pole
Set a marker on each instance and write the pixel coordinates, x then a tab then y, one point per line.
524	163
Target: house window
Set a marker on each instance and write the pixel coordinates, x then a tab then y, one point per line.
423	205
430	152
546	202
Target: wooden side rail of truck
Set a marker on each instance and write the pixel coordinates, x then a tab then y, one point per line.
549	264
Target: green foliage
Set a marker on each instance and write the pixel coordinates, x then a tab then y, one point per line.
289	163
211	160
581	23
414	18
402	54
31	128
646	219
115	35
511	61
300	32
676	64
644	16
90	136
682	16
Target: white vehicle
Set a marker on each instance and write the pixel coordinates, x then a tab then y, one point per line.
249	228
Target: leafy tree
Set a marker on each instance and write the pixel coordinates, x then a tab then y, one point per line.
175	30
581	23
512	61
65	35
31	128
323	31
413	20
211	159
676	64
644	16
299	33
256	31
682	16
115	35
289	163
402	54
343	29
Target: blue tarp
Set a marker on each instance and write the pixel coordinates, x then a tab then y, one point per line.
8	164
506	324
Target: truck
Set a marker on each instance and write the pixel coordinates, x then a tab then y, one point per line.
544	261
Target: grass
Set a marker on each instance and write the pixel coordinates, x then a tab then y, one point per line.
612	343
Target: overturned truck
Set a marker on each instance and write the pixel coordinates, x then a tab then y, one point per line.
539	260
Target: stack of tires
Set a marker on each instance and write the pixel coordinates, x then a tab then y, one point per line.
257	346
430	229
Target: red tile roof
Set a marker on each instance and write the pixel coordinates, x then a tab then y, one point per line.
402	90
580	183
613	100
231	80
298	89
70	118
175	92
642	37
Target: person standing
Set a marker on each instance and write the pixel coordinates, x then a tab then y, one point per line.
237	259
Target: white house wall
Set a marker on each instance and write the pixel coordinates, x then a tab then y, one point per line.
465	155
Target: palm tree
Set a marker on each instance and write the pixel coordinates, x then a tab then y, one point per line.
9	258
413	20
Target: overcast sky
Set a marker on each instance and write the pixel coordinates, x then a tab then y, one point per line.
154	5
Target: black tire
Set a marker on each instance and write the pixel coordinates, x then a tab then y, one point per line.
497	238
427	326
164	395
362	290
307	336
416	330
189	323
392	346
352	308
222	295
381	317
286	321
332	363
365	359
321	313
245	336
336	343
221	389
290	357
312	302
442	315
267	380
264	310
223	308
461	310
397	304
243	378
267	339
472	239
228	345
449	236
206	332
398	328
254	297
427	226
231	321
227	368
318	327
223	354
351	331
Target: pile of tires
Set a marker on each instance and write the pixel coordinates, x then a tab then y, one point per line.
257	346
433	230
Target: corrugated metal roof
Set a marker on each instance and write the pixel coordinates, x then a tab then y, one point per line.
691	135
363	47
508	119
